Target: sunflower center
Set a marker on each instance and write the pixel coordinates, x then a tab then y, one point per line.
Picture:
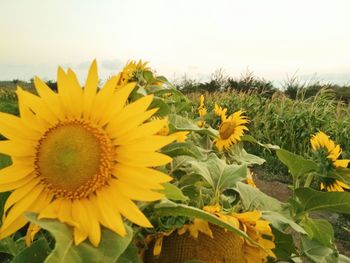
226	129
74	159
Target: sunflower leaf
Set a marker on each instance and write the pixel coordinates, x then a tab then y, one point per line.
109	249
182	124
297	165
312	200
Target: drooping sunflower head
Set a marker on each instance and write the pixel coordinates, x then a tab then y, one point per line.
327	153
231	130
81	156
260	231
256	228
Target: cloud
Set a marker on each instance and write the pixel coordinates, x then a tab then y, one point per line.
113	64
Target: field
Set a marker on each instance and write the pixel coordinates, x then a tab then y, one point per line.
274	151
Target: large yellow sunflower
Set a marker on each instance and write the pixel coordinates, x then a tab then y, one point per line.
81	156
323	145
231	130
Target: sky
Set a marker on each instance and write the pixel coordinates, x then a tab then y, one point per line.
272	38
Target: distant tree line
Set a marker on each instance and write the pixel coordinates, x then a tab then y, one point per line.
293	87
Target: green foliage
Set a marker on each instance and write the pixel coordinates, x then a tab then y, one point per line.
109	249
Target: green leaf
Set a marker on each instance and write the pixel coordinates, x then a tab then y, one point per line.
319	230
317	252
163	108
37	252
297	165
184	148
168	208
251	139
130	255
109	249
281	221
8	246
240	155
183	124
284	248
252	198
172	192
312	200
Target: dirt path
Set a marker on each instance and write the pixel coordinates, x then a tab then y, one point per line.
281	192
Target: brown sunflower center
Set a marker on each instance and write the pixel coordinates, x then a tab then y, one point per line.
226	129
73	159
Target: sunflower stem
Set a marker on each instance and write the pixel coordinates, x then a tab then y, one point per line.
308	180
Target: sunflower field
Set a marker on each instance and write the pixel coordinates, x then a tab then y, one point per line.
135	171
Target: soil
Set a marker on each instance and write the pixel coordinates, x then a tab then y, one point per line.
281	192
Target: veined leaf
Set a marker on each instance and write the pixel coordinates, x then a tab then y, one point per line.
320	230
182	124
252	198
297	165
109	249
281	221
312	200
172	192
184	148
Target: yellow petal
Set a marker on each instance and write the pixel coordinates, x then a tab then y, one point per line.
15	172
144	130
50	98
18	148
94	225
21	206
8	186
146	177
117	102
90	89
104	97
134	192
12	128
128	209
19	194
121	126
143	160
110	216
38	106
147	144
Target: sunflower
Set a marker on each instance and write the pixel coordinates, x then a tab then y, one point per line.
328	151
202	111
129	71
81	156
220	112
255	227
180	136
231	130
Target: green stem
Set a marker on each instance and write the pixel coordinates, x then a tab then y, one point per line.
308	180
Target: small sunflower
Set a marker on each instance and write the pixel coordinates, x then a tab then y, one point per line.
81	156
231	130
202	111
180	136
329	152
220	112
129	71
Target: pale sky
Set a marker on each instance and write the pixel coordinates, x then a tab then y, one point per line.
273	38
